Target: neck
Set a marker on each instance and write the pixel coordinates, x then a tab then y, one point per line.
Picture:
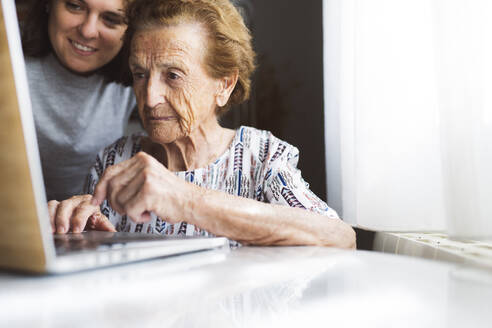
69	70
201	147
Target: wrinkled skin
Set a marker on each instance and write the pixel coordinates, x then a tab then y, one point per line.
170	82
77	214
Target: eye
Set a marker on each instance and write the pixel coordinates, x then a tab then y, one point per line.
113	20
138	76
73	6
173	76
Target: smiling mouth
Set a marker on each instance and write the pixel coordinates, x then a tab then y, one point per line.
81	47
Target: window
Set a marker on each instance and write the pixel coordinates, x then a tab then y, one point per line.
408	114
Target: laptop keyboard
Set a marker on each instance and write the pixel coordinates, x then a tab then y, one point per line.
101	240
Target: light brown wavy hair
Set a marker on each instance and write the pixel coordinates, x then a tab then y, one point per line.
230	43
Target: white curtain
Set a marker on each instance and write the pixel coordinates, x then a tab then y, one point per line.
408	114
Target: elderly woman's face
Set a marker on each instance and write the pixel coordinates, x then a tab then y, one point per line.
175	95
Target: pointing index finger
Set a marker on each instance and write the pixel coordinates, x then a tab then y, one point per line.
100	192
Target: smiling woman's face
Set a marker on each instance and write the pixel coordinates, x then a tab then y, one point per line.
86	34
175	95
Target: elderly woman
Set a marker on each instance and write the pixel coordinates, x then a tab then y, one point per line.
190	61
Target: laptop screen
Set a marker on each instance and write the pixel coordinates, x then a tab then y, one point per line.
25	239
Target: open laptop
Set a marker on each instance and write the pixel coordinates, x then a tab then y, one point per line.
26	241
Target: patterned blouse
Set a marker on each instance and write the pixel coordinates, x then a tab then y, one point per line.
256	165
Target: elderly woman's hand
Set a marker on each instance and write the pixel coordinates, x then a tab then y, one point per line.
142	185
76	214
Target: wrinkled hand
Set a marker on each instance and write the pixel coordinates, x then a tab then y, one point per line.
76	214
142	185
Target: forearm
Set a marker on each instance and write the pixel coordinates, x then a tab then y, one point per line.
255	223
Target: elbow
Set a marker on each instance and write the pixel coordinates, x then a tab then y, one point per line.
342	237
350	239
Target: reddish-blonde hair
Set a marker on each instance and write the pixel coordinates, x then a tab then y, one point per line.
229	49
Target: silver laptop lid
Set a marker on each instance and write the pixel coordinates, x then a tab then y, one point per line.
25	235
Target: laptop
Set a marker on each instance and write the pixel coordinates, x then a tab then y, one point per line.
26	241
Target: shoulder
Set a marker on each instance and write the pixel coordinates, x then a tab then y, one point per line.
31	61
268	148
34	66
122	149
47	65
122	95
117	87
252	136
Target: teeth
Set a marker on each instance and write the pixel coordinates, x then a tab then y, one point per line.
82	47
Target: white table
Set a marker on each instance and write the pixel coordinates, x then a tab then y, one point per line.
256	287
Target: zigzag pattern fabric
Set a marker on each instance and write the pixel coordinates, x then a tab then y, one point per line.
256	165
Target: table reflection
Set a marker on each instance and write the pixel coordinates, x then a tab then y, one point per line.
258	287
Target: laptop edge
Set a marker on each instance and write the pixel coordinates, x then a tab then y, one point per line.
25	242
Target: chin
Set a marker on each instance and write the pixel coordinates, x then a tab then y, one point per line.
162	138
164	135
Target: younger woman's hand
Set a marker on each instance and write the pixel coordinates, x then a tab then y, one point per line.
76	214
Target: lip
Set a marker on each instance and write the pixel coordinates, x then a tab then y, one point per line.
81	51
161	118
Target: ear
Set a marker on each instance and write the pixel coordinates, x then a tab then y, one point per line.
226	86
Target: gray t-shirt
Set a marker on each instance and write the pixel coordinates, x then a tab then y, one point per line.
75	117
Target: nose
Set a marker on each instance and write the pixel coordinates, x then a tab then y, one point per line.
154	93
88	28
